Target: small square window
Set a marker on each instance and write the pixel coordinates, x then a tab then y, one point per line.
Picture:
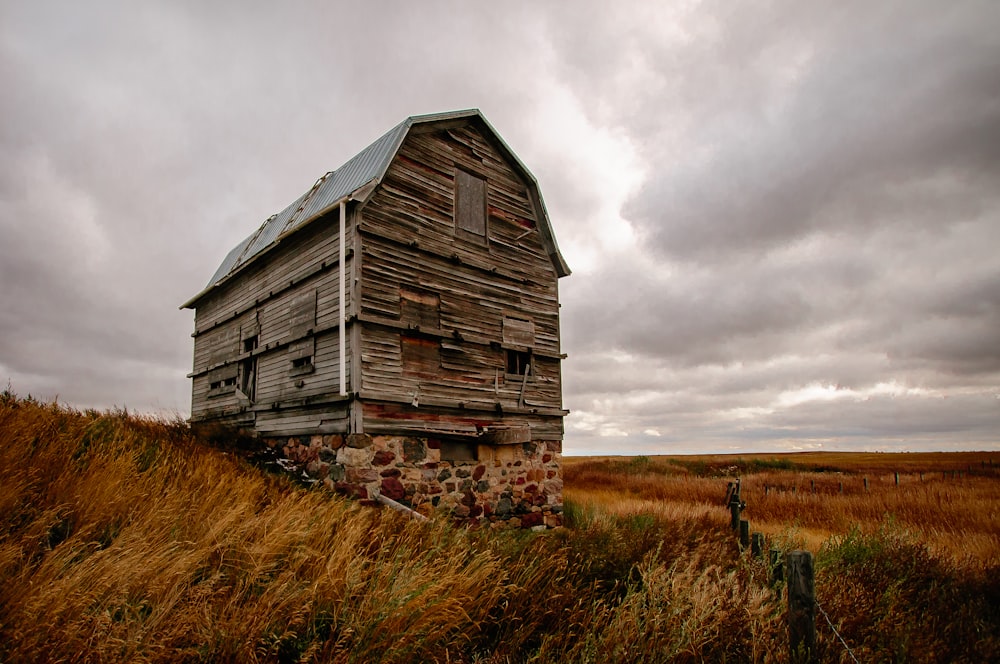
250	344
222	385
518	331
518	362
300	355
302	365
459	451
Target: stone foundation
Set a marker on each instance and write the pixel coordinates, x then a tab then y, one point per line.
502	486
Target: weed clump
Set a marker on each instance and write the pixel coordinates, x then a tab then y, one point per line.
919	607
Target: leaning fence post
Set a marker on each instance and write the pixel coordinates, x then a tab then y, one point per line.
801	606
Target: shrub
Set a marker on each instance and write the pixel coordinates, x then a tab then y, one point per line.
894	600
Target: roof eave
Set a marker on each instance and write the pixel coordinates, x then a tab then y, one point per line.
360	194
364	191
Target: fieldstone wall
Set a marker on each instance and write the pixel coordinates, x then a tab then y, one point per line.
506	486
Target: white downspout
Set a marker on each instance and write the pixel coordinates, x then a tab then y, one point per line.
343	310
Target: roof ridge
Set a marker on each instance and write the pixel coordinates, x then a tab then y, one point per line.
370	164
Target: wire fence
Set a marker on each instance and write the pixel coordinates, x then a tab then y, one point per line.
735	503
836	633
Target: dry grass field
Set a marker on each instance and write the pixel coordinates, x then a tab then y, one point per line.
126	539
948	501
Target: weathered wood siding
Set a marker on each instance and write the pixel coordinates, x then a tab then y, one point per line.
415	259
289	300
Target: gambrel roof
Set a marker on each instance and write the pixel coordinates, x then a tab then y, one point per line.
355	179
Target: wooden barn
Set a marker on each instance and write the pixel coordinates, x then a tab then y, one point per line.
396	328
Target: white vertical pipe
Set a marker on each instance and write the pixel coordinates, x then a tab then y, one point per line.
343	310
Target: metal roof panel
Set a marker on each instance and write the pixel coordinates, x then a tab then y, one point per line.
368	165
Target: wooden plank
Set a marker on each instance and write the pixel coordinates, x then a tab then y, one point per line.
518	331
470	203
506	435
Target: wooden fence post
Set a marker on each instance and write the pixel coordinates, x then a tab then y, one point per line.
744	534
801	606
736	504
866	484
777	569
757	545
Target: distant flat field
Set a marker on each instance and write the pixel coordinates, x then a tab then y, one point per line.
950	500
846	461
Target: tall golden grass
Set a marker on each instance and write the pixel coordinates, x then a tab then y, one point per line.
949	501
908	545
126	539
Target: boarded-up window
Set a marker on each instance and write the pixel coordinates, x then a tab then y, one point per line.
420	308
300	354
518	332
225	344
302	314
222	381
470	204
421	356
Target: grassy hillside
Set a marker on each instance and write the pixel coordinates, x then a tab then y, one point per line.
125	539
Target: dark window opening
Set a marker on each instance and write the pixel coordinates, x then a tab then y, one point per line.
301	354
518	362
248	369
250	344
459	451
219	384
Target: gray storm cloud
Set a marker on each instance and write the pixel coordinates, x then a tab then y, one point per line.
804	252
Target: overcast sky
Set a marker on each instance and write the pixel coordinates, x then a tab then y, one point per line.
783	218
